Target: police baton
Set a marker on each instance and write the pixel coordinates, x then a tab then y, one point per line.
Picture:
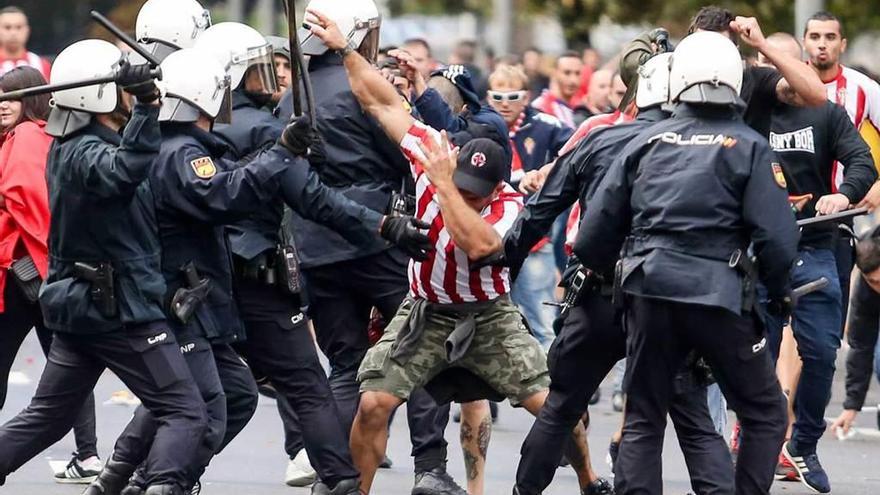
51	88
156	73
843	215
134	45
298	68
808	288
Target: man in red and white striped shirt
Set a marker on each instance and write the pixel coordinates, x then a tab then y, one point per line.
455	317
849	88
445	277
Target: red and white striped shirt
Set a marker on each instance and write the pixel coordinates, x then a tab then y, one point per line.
551	105
445	276
589	125
29	59
860	95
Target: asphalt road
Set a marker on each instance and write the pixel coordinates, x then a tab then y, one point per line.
254	463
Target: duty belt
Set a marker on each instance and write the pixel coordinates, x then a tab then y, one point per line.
279	268
702	246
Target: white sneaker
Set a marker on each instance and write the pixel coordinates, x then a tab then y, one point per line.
77	471
299	471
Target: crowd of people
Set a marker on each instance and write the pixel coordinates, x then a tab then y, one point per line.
204	224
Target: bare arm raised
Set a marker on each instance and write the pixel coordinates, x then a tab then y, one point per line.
375	94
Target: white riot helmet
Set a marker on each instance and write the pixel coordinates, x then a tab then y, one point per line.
72	109
83	60
165	26
356	19
653	88
194	83
240	49
706	69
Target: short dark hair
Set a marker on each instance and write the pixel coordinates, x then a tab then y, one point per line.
33	108
533	49
12	9
868	254
567	54
711	18
822	16
419	41
466	50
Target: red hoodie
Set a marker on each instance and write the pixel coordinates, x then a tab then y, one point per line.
24	221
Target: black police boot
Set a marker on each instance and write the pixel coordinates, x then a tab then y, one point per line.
344	487
164	490
137	485
132	489
319	488
599	487
436	482
112	479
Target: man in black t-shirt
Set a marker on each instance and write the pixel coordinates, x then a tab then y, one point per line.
808	141
792	82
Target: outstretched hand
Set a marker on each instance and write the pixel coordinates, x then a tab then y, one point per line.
407	66
439	161
325	29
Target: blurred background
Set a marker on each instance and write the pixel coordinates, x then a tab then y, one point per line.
500	28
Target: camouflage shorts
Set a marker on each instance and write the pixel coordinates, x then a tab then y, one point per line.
503	353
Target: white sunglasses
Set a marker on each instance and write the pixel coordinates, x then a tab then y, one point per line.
512	96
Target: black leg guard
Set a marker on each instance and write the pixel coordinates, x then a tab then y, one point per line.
113	478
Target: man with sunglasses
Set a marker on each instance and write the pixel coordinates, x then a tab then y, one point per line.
535	140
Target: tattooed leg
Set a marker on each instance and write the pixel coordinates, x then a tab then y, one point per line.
476	430
577	451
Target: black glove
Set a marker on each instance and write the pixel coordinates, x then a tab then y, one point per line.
780	307
497	258
137	80
298	136
660	37
404	233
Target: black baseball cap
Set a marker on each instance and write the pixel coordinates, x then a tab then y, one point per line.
482	164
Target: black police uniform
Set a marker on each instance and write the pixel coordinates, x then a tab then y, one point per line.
196	192
686	194
344	280
103	217
279	343
591	339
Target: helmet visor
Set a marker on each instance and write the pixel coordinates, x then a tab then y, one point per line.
259	76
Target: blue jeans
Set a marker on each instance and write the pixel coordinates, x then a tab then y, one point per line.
537	283
717	408
877	361
619	371
816	325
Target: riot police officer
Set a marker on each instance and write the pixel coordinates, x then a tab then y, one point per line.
685	199
104	293
591	338
165	26
267	279
346	281
197	191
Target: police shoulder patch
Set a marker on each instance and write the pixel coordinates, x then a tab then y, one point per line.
204	167
778	175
